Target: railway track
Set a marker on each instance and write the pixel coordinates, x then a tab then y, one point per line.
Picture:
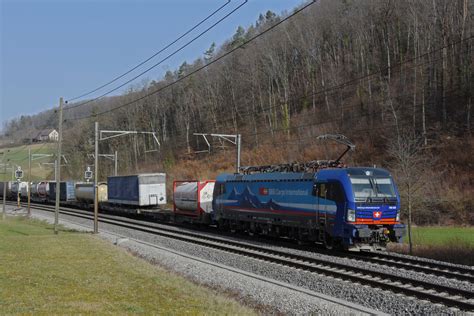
433	268
449	296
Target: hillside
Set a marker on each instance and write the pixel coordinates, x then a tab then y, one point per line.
41	168
393	76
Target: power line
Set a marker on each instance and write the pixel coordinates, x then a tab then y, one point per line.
335	87
164	59
152	56
202	67
333	120
373	100
332	89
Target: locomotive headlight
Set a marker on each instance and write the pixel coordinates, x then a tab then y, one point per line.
397	219
351	215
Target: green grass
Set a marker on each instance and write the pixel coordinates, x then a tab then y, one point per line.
452	244
76	273
442	235
19	157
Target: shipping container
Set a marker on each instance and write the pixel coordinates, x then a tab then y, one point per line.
8	190
34	188
43	190
66	193
17	188
193	198
144	190
24	187
85	192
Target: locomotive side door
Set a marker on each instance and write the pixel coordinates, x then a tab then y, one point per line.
320	191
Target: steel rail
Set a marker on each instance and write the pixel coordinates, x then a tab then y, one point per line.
379	258
449	296
420	264
438	269
411	264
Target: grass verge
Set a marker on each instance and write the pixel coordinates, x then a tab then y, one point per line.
76	273
451	244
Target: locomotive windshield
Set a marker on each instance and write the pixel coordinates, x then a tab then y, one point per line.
368	187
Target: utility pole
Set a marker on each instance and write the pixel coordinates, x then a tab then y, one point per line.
238	143
58	167
96	178
115	164
5	183
99	136
29	181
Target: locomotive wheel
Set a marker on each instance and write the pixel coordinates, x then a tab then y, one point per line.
329	242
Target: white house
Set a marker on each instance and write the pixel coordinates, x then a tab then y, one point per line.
48	135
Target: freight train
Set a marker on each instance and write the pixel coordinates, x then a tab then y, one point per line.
355	208
352	208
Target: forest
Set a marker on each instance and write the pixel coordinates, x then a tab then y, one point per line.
395	77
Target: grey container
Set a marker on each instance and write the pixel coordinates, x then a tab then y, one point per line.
85	192
147	189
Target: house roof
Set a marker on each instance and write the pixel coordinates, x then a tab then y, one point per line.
46	132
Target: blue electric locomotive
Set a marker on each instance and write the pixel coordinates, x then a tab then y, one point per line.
356	208
321	201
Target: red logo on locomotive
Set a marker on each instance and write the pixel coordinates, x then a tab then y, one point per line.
377	215
263	191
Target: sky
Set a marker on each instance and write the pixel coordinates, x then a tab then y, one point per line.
63	48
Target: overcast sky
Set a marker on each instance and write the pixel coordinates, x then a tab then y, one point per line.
64	48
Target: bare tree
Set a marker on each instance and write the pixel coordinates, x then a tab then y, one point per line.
409	165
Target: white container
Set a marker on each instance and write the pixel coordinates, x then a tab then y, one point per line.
193	196
146	190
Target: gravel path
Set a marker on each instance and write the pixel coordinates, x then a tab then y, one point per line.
374	298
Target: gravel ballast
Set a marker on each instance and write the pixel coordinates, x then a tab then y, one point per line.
267	297
373	298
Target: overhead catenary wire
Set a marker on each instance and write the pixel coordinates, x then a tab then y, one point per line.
335	87
333	90
164	59
152	56
328	121
211	62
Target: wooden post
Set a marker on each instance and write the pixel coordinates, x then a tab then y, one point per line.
29	181
96	178
58	168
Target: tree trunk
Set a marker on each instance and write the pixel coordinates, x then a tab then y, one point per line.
410	242
468	121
